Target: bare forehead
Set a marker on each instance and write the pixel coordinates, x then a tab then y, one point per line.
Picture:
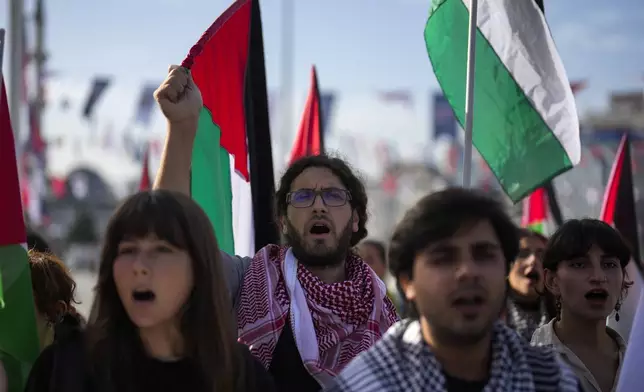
316	178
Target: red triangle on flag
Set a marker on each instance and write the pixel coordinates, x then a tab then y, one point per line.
12	229
618	208
309	136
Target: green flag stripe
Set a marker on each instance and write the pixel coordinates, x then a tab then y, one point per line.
508	132
210	180
19	344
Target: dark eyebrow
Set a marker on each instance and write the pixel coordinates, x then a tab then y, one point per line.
440	247
486	245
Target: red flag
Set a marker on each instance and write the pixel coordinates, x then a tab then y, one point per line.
619	201
309	136
145	183
12	229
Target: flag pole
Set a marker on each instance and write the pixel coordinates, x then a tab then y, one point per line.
469	96
2	35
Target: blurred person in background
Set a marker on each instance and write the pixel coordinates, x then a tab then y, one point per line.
584	264
451	254
53	287
373	253
54	291
526	307
161	319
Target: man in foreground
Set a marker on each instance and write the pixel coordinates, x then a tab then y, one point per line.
450	255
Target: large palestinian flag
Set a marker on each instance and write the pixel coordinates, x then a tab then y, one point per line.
525	120
19	346
232	164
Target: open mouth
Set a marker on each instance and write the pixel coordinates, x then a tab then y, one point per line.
143	295
597	295
319	229
533	276
476	300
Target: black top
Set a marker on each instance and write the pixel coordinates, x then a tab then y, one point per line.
61	367
459	385
287	368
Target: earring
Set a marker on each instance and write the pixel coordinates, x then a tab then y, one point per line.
558	307
618	306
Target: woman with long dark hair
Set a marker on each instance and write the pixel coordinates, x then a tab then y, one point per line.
162	317
584	263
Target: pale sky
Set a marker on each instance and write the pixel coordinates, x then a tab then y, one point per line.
360	47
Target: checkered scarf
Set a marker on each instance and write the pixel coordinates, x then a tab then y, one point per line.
523	322
402	362
347	317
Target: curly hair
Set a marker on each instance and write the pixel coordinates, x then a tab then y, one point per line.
52	282
346	175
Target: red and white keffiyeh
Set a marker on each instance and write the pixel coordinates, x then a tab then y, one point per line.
346	318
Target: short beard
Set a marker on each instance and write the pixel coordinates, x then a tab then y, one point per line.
320	256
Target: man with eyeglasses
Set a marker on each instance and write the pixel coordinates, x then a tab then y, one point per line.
526	307
308	308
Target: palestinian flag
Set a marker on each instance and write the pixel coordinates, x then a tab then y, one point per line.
618	208
232	164
525	120
309	139
19	345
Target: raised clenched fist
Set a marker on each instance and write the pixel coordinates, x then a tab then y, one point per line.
179	97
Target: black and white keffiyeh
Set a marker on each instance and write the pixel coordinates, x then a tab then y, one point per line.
402	362
524	322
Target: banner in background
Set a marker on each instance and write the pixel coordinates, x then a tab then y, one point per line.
327	104
444	120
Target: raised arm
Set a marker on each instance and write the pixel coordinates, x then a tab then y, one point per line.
180	101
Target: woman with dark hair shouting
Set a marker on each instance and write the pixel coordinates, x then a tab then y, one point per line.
584	264
161	320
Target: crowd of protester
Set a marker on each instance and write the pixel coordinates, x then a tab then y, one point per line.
485	305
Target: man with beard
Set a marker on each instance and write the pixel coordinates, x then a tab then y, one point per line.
450	255
308	308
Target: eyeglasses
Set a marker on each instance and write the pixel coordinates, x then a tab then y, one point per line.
331	197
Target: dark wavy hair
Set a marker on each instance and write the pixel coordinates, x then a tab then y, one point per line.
346	175
207	326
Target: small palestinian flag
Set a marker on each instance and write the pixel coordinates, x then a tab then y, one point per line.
19	345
